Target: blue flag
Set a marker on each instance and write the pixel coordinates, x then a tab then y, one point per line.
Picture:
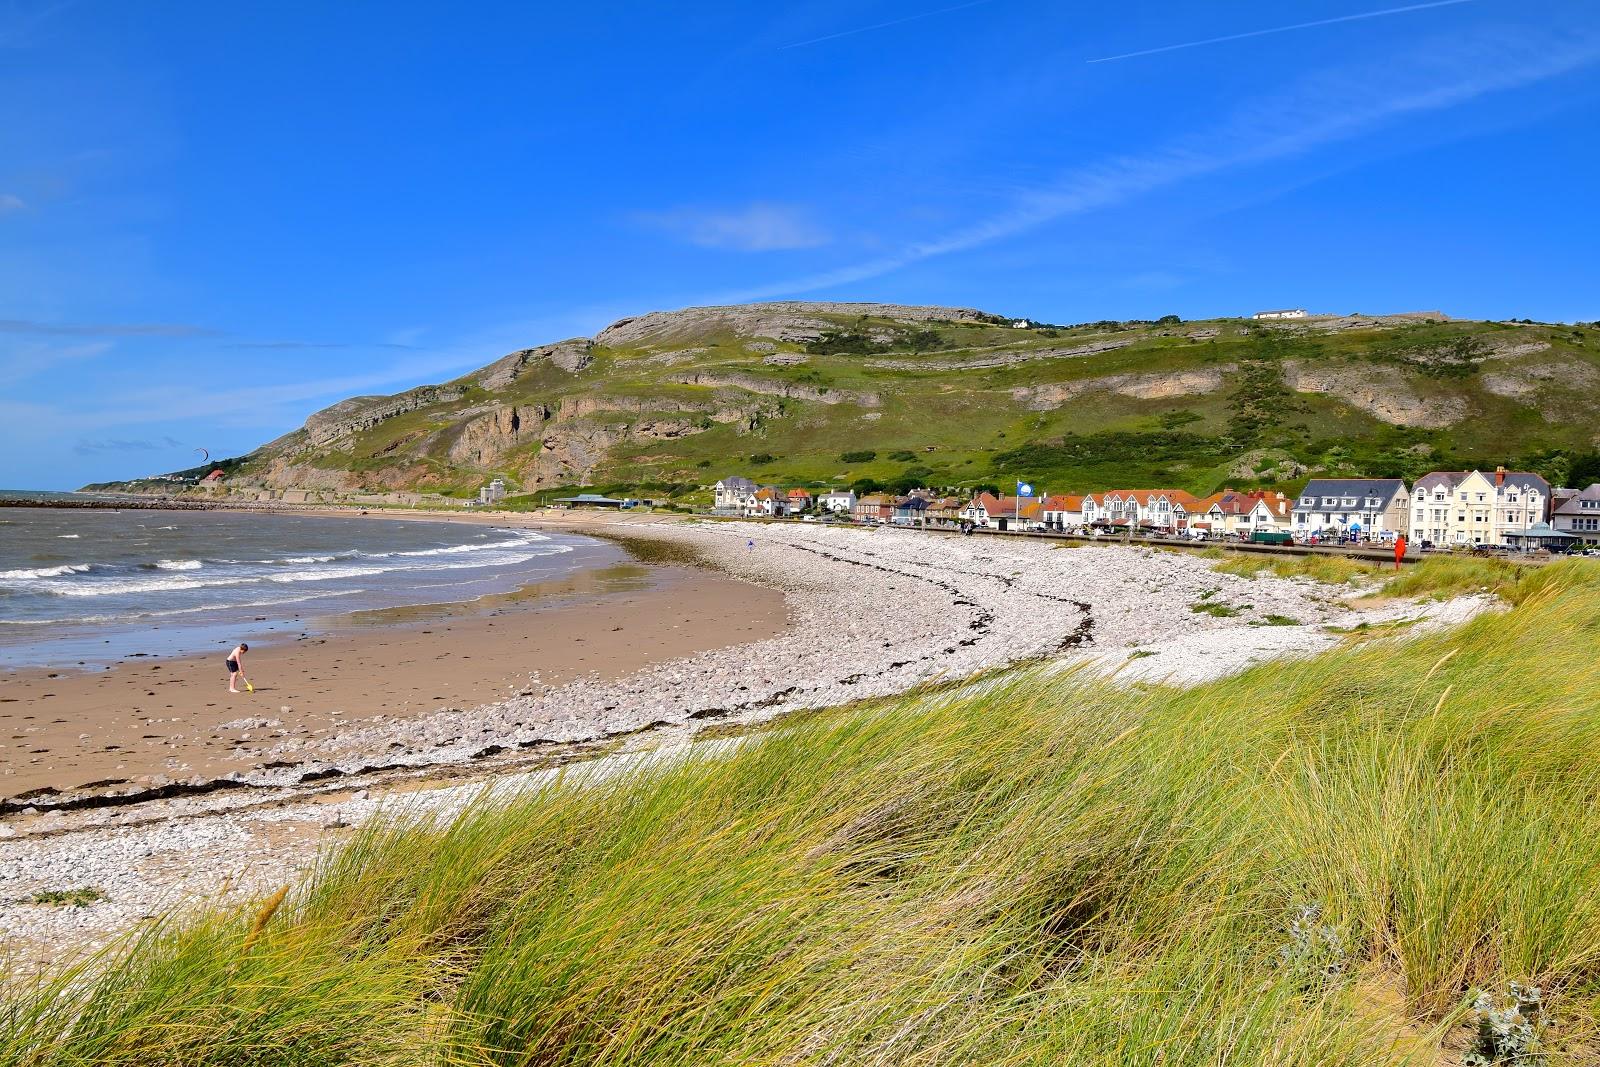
1024	489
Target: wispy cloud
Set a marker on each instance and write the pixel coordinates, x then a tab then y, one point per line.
1320	111
107	329
28	358
11	202
1282	29
115	444
759	227
291	346
883	25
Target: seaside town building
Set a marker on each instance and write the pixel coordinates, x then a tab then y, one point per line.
839	501
733	496
1370	507
911	510
1286	313
1473	508
874	507
1234	513
1577	513
1447	508
1062	512
770	503
492	493
1159	509
945	511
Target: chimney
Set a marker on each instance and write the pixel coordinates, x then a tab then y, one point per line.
1499	477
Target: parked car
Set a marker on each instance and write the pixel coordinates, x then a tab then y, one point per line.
1271	537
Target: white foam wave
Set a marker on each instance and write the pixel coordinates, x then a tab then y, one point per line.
67	537
178	564
45	572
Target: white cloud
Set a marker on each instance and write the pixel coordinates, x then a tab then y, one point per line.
758	227
10	202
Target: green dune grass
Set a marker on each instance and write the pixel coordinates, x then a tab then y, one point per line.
1316	862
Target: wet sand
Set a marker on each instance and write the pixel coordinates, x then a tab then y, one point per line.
174	717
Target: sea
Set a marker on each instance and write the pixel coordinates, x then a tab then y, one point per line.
82	588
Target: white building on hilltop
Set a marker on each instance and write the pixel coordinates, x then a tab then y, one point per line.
1287	313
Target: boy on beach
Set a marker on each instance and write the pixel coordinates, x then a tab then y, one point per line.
236	667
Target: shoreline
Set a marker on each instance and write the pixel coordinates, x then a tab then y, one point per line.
872	613
155	722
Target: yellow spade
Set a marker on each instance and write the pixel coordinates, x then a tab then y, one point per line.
248	687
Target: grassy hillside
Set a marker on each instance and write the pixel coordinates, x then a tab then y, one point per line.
967	402
1319	865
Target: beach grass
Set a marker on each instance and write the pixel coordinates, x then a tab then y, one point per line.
1316	862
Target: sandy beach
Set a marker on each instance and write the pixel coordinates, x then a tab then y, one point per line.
794	616
151	721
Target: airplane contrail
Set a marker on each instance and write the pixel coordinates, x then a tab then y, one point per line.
1283	29
884	25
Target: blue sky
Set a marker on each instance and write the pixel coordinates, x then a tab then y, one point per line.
216	218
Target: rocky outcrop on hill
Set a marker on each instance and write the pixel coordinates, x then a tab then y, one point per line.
1380	391
1008	359
349	417
751	384
1139	386
784	321
571	356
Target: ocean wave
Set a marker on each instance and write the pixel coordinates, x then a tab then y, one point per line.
90	620
68	537
120	586
178	564
45	572
520	541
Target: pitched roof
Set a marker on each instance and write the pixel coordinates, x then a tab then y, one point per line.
1063	503
1022	507
1383	488
736	482
1144	496
987	501
1451	479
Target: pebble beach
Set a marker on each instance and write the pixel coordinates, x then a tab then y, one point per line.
871	612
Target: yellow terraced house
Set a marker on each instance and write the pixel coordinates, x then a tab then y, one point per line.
1474	508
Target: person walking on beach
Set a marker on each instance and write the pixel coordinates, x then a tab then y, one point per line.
236	667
